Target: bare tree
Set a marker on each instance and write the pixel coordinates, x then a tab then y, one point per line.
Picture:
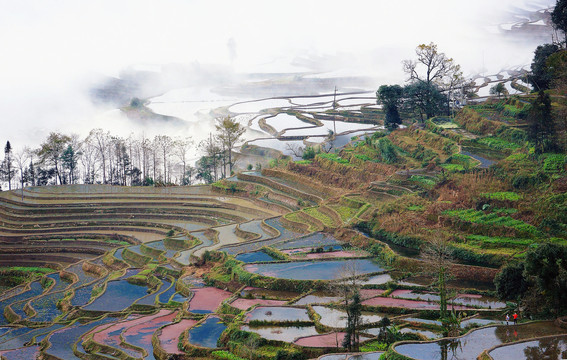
212	151
22	157
100	140
182	147
433	67
146	147
164	143
295	149
438	253
348	283
90	160
229	133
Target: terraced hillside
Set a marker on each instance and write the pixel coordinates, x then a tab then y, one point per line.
254	266
131	273
61	225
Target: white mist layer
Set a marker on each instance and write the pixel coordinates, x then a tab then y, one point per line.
51	49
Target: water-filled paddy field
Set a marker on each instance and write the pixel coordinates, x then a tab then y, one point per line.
118	295
313	270
207	333
471	345
549	348
282	333
198	306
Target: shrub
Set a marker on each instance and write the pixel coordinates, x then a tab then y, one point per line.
554	163
333	157
498	143
309	153
222	355
504	195
387	150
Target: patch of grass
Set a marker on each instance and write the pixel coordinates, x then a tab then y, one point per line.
453	167
117	242
225	355
333	157
415	208
503	195
423	180
314	211
30	269
373	346
303	162
498	143
296	217
554	163
479	217
497	242
346	213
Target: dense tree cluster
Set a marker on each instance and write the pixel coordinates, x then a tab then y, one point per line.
434	80
108	159
539	281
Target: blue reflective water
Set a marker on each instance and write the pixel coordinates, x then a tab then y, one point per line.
313	270
62	341
164	297
255	256
285	234
18	340
277	314
151	299
19	301
119	295
207	333
177	297
84	277
313	241
470	346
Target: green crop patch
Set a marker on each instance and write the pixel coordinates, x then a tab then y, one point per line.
479	217
498	242
503	195
333	157
498	143
346	213
314	211
453	167
423	180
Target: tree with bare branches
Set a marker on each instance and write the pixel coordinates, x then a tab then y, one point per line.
433	67
438	253
229	133
348	283
182	147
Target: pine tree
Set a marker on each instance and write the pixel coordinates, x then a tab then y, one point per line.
540	124
8	164
354	312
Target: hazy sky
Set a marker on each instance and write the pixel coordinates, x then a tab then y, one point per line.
51	49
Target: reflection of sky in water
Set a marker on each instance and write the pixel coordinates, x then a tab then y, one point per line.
207	333
312	270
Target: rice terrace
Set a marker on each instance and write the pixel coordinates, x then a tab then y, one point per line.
421	221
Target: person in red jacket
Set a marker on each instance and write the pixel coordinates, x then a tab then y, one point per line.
515	317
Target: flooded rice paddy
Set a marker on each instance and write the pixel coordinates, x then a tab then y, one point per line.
277	314
282	333
119	295
469	346
551	348
256	256
313	270
207	333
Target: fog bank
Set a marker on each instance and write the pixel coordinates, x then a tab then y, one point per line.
54	52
